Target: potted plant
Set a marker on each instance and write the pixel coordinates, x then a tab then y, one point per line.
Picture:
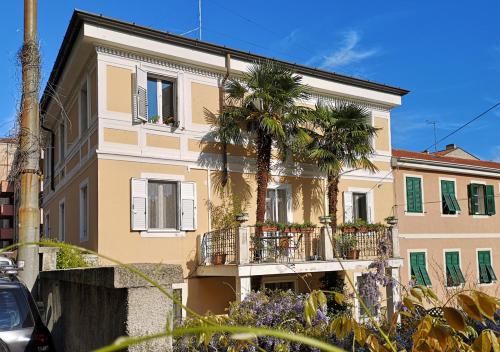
218	257
154	119
347	227
391	220
293	227
308	226
376	227
267	226
347	246
361	225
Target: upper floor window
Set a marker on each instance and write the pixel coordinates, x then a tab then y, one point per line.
84	108
413	195
481	199
277	204
161	101
486	272
359	201
62	221
449	203
84	212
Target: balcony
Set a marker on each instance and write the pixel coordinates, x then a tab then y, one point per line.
272	251
6	187
6	210
6	234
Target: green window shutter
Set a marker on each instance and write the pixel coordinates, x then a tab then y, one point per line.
484	261
413	195
454	273
490	200
450	204
473	199
418	269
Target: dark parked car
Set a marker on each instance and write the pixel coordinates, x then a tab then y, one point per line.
21	327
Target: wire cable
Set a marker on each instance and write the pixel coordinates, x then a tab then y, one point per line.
464	125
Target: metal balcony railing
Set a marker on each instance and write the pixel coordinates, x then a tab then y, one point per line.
245	245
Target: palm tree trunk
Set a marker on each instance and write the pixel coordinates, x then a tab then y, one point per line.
333	193
264	144
225	172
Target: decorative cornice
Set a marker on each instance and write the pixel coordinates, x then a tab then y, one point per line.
157	61
336	100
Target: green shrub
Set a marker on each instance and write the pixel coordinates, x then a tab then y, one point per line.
68	258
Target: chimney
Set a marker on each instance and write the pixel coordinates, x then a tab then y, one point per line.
451	146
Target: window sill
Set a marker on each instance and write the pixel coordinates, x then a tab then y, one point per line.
160	127
409	213
163	233
480	216
486	284
450	215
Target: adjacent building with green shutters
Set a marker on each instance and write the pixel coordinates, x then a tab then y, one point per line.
449	230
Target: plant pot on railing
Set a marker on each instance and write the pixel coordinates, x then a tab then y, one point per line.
219	258
352	254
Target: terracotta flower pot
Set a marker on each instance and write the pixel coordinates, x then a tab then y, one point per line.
363	229
219	258
352	254
269	228
349	230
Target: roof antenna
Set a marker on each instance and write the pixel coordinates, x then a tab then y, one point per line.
199	23
435	138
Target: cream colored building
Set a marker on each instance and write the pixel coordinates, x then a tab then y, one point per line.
449	224
138	191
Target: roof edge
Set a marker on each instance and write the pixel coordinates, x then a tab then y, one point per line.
79	17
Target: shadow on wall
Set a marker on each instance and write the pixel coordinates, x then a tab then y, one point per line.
211	294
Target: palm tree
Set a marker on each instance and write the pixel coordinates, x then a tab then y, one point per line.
264	102
343	139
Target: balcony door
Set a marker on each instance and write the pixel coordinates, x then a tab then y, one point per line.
278	204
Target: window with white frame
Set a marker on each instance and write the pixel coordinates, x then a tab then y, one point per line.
357	205
159	205
62	140
84	212
62	221
364	287
46	225
84	108
161	100
277	204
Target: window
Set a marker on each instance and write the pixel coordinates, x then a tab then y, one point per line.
62	222
277	205
47	162
449	203
486	273
481	199
369	300
62	141
84	213
46	225
418	268
14	310
413	195
161	99
84	108
454	276
162	205
280	285
5	223
359	206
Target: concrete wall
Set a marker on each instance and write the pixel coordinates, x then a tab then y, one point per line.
90	308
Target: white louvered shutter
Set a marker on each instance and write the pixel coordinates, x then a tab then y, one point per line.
188	206
139	204
348	207
140	98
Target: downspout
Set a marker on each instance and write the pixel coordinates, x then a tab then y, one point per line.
52	146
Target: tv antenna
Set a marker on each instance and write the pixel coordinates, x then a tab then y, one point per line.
433	123
199	23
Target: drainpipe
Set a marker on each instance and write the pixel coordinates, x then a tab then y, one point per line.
52	146
222	90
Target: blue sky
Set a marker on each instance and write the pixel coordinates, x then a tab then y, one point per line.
447	53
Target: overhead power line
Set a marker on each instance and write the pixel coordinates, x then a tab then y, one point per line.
464	125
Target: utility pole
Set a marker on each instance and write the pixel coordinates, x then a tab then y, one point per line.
29	149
